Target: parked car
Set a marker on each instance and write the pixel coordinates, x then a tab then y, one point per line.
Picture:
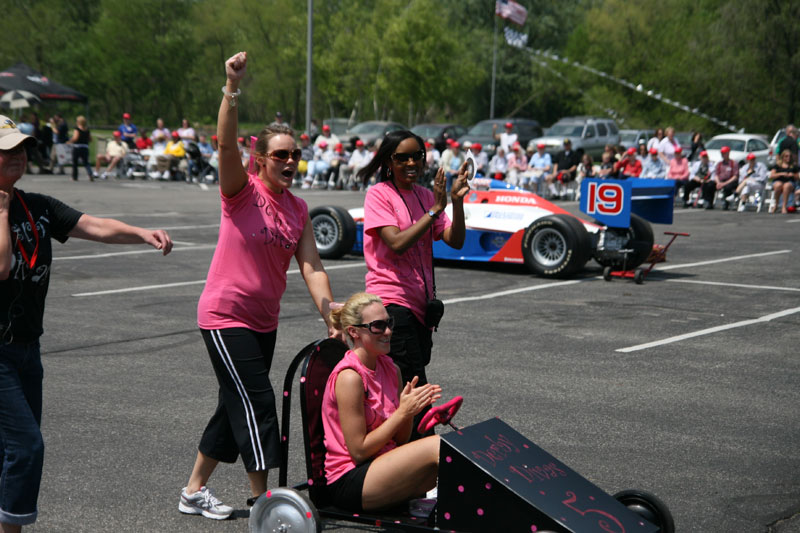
773	145
588	135
372	130
338	126
740	144
440	133
483	132
630	138
684	138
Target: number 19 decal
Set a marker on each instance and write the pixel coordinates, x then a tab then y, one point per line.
604	198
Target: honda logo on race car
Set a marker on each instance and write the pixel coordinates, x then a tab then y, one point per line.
605	199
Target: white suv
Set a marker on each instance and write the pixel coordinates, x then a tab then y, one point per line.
588	135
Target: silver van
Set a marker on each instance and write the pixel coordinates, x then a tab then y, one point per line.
588	135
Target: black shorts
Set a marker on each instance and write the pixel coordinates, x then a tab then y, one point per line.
346	491
245	422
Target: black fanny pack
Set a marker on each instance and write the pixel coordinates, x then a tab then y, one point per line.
434	310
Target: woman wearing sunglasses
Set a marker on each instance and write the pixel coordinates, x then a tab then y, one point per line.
401	221
262	227
29	222
369	462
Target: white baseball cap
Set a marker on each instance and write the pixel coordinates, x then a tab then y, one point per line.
10	136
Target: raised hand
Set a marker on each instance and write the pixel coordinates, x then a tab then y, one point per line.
236	67
460	186
439	191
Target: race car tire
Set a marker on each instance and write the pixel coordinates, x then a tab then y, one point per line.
556	246
649	507
640	240
334	231
284	509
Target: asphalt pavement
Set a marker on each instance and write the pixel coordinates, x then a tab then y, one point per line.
685	386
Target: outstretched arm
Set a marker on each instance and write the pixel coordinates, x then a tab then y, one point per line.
112	231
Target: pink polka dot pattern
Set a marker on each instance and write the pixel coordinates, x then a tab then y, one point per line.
283	438
461	488
316	392
448	459
308	514
480	511
302	379
542	492
534	528
447	516
525	446
310	482
286	394
269	494
488	486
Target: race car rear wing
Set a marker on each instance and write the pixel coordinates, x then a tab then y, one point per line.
611	202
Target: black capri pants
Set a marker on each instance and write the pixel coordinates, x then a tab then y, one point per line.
245	422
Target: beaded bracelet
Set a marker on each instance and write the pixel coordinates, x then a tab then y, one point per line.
233	96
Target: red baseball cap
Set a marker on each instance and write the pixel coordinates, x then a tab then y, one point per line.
725	149
339	147
126	115
653	150
304	137
359	143
240	139
703	154
117	133
541	145
678	150
477	147
175	135
516	146
323	145
509	125
455	144
325	127
427	144
750	156
213	137
630	151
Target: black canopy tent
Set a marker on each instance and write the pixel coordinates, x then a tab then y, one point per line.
24	78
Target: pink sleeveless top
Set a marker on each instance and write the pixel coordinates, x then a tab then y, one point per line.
380	401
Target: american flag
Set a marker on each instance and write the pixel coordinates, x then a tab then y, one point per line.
510	10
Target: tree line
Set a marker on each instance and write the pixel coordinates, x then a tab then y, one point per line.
417	60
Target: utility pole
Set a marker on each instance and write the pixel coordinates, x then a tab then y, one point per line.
309	55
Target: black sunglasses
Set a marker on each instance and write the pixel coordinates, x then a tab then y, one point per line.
378	326
283	155
400	157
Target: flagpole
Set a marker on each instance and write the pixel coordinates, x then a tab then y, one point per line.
494	68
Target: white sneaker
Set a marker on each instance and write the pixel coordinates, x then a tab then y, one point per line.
154	175
166	175
104	176
742	206
205	503
729	198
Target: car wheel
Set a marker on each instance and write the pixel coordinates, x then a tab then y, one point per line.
638	237
556	246
283	509
334	231
649	507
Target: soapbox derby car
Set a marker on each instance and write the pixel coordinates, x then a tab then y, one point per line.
491	478
507	224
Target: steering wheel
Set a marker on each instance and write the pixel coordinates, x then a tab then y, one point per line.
441	414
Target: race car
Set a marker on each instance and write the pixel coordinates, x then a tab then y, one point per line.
506	224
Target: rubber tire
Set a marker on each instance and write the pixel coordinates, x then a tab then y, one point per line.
284	506
334	231
648	506
561	231
640	239
638	276
607	274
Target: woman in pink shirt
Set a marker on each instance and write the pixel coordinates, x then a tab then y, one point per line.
367	414
262	227
678	169
401	221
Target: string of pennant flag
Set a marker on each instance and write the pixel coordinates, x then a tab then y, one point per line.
510	10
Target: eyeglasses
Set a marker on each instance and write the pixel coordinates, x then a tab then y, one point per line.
283	155
400	157
378	326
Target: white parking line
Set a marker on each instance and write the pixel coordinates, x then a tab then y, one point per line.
196	282
714	261
132	252
793	221
761	287
709	331
518	290
200	226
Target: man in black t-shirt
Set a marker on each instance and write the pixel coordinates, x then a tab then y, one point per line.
28	223
789	142
565	167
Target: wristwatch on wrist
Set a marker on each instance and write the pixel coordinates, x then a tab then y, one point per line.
433	214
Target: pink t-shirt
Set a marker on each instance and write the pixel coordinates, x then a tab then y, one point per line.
381	399
398	278
259	232
678	169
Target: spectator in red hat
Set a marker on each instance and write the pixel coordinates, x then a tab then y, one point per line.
517	164
507	138
326	136
699	175
498	166
565	168
173	158
678	169
752	180
784	176
358	160
128	131
726	177
115	152
480	157
338	161
654	166
629	166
